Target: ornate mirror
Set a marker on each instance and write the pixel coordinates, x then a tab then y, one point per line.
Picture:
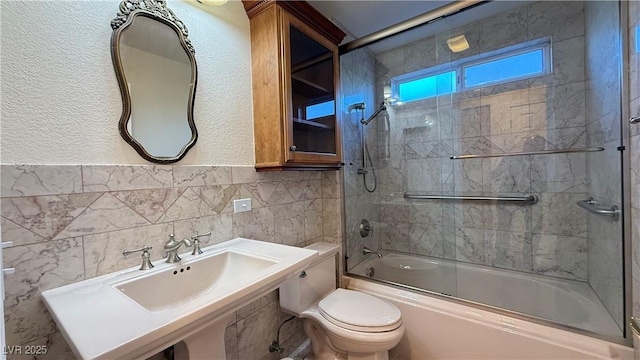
156	69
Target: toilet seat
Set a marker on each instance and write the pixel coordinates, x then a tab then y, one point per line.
357	311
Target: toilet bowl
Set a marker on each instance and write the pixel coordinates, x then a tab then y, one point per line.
341	324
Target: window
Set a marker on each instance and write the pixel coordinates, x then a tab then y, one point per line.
320	110
440	84
505	68
517	62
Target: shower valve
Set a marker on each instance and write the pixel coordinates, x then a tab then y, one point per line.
365	228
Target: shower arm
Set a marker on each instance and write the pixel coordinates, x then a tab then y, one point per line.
380	109
360	106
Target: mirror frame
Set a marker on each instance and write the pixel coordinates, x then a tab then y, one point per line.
155	10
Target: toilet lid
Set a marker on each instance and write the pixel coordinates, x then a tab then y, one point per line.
358	311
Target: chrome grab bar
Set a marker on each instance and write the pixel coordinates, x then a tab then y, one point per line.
541	152
592	206
633	324
635	120
527	198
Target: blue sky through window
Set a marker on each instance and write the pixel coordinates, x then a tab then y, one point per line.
320	110
503	69
440	84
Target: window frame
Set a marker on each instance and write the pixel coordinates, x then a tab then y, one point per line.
460	67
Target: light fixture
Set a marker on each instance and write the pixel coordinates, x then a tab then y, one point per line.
388	99
458	43
387	91
212	2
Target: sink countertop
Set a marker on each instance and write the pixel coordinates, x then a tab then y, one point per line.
100	322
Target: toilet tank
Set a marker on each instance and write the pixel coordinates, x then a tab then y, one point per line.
313	283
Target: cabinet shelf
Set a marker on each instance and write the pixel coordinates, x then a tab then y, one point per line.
309	63
312	124
309	89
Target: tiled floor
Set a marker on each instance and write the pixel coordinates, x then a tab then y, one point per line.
305	348
302	351
395	356
298	354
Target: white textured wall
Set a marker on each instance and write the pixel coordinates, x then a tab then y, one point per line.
60	98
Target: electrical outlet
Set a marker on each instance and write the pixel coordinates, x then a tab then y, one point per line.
241	205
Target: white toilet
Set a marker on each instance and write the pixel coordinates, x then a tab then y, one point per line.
342	324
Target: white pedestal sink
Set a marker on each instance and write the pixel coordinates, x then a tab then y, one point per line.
135	314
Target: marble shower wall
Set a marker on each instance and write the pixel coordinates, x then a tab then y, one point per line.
604	175
357	73
71	223
546	112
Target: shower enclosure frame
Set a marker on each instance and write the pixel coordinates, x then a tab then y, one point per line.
625	129
625	163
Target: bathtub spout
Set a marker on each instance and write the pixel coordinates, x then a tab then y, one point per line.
366	250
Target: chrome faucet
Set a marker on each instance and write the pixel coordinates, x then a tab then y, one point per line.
172	246
366	250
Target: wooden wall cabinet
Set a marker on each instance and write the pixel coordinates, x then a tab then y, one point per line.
295	72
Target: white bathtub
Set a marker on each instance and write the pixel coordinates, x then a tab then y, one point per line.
440	329
566	302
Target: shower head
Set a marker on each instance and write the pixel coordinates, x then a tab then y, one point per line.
381	108
356	106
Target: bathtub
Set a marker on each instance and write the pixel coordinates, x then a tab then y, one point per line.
440	329
566	302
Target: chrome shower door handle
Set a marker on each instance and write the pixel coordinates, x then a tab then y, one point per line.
635	120
592	206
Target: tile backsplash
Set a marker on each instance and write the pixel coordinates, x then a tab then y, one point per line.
71	223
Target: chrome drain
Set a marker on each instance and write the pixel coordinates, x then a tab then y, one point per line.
370	271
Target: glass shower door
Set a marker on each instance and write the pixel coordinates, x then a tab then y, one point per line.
538	130
499	176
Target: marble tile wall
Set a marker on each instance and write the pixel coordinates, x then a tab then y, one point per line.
546	112
358	85
71	223
603	84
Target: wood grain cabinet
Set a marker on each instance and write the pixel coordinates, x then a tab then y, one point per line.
295	65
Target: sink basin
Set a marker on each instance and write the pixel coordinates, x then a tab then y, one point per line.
134	314
194	279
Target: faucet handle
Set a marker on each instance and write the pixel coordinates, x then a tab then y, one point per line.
144	249
146	256
196	236
196	242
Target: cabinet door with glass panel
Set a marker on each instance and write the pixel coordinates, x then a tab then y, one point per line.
311	83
